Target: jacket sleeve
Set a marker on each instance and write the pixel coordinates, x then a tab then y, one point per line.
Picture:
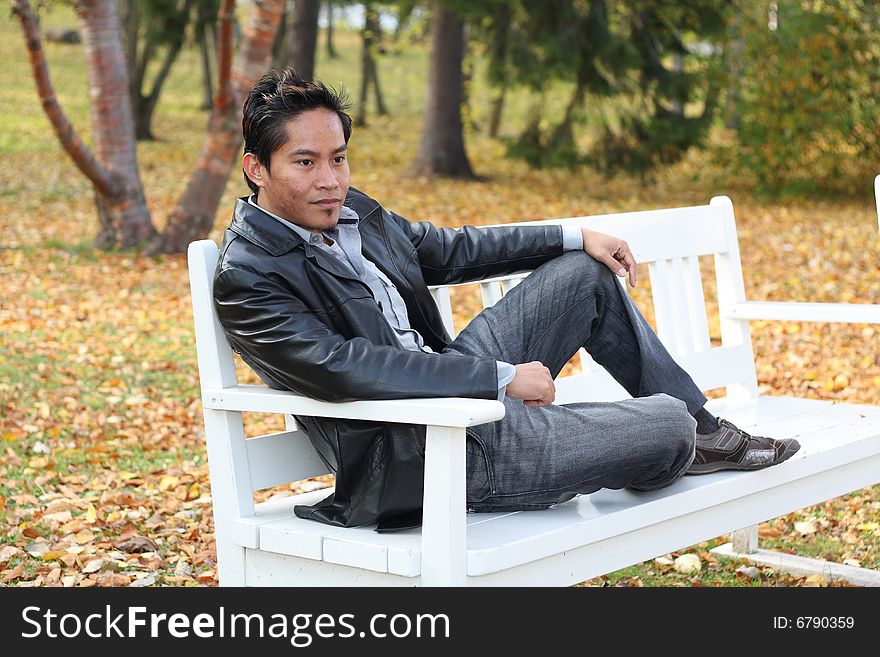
292	349
449	255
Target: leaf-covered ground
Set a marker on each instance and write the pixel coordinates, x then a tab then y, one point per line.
103	476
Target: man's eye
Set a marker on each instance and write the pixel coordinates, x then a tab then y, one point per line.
339	159
305	163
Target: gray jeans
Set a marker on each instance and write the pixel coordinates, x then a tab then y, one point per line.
538	456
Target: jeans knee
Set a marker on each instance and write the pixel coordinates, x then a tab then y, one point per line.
680	425
580	268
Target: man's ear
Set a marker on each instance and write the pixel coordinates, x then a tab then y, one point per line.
253	169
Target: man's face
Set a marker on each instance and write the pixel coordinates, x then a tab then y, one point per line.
309	174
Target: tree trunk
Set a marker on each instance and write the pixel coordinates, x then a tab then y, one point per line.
206	40
441	151
499	38
331	52
279	45
369	35
144	103
129	17
193	217
497	108
302	37
113	170
143	117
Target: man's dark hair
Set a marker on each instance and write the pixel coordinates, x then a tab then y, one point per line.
273	101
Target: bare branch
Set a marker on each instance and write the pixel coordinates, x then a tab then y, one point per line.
104	180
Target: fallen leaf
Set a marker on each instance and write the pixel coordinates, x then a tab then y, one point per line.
149	580
37	548
91	515
136	544
85	536
805	527
14	573
93	566
768	532
107	580
7	552
60	516
749	571
168	481
206	577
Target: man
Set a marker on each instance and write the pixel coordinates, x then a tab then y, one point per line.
324	292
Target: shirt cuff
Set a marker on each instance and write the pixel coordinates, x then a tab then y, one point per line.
506	374
572	238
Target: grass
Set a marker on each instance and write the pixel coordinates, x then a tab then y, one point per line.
96	349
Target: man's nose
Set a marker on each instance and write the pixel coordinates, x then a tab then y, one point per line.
326	178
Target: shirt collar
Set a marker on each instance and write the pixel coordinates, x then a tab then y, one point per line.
347	216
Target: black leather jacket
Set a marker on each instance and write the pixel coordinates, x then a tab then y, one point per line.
303	322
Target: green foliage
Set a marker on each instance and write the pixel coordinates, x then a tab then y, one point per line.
809	115
638	56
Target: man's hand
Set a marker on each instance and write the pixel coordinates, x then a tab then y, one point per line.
611	251
533	384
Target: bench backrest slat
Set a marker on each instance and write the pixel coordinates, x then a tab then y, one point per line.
280	458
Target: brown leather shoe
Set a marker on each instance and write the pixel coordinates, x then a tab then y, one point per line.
730	448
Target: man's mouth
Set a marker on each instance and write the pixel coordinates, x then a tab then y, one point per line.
327	203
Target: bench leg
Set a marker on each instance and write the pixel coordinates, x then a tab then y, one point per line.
227	456
230	564
444	557
745	541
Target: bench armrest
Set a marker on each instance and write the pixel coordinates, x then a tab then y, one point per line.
851	313
440	411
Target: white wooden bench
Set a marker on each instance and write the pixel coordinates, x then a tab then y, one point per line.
265	544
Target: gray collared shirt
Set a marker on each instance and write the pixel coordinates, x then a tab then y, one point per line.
345	245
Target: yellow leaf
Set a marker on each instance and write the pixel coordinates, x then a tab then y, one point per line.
85	536
74	525
869	526
815	580
53	555
115	516
44	411
125	475
90	515
168	481
10	436
194	492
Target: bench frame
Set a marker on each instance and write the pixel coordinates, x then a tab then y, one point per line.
239	466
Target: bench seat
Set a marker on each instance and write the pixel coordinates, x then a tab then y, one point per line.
608	529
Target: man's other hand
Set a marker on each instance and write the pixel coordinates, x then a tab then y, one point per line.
612	252
533	384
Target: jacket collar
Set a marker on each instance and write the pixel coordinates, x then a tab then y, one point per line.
257	227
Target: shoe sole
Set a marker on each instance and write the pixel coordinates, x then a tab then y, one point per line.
717	466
